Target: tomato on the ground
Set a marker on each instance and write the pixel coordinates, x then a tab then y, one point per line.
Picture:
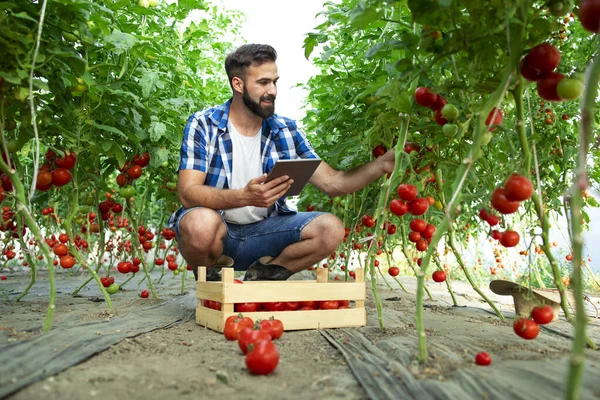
263	358
526	328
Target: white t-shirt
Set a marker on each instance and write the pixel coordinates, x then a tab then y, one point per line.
246	165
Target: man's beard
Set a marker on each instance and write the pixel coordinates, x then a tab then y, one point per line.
262	111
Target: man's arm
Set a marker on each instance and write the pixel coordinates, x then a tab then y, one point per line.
336	183
193	192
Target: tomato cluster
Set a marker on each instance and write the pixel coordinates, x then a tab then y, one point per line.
539	65
283	306
132	170
55	170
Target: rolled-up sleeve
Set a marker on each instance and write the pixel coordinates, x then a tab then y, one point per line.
193	154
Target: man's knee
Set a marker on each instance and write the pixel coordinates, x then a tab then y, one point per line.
202	228
328	229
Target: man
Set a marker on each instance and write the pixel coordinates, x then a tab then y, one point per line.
230	214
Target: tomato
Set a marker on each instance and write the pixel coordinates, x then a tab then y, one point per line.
518	188
547	86
589	15
391	229
67	162
135	171
424	97
398	207
246	307
142	160
44	178
422	245
543	58
311	303
394	271
378	151
61	176
510	238
273	306
263	358
418	206
439	118
124	267
67	261
569	89
276	328
439	103
409	147
368	221
502	204
234	325
450	112
61	250
107	281
418	225
414	237
497	235
495	117
117	208
144	294
127	191
450	130
492	220
291	305
407	192
527	71
542	314
113	288
328	305
122	180
252	336
428	232
526	328
438	276
483	358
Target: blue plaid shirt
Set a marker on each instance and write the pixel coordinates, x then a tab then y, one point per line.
207	147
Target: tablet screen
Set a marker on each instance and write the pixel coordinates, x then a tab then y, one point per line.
300	170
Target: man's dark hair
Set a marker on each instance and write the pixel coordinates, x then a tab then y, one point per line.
237	62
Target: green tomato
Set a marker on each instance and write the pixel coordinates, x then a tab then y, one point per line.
112	289
424	120
369	101
486	137
450	130
127	191
176	272
88	201
144	3
165	164
153	3
560	8
450	112
69	37
171	185
569	89
438	205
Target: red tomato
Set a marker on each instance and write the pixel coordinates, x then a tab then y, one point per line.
67	261
391	229
492	220
274	306
483	358
263	358
407	192
510	238
527	71
135	171
418	225
547	86
68	161
424	97
329	305
495	117
483	214
61	176
306	309
124	267
252	336
63	238
414	237
394	271
439	118
438	276
518	188
379	150
418	206
291	306
526	328
144	294
422	245
502	204
343	303
122	180
589	15
409	147
234	325
246	307
44	178
543	58
439	103
368	221
542	314
311	303
276	328
497	235
398	207
142	160
61	250
429	231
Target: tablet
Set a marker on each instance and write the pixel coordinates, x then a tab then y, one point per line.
299	169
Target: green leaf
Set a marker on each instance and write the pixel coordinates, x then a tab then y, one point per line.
362	15
121	42
149	82
111	129
158	157
157	129
116	152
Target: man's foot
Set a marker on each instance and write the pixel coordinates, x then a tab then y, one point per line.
261	270
213	273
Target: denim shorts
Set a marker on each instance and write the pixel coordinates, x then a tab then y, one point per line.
247	243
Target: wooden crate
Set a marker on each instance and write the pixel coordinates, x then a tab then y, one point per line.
228	293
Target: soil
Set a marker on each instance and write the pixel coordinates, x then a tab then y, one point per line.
189	361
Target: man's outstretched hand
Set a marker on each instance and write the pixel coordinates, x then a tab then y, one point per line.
388	160
261	193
